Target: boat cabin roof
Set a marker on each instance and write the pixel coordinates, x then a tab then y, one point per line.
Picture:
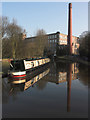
29	59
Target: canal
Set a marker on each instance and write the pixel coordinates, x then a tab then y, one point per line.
58	90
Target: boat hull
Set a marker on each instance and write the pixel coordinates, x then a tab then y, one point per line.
20	68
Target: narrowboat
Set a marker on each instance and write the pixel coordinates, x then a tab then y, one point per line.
19	68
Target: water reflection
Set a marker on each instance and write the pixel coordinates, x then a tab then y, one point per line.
69	78
35	79
12	87
58	74
28	81
84	75
67	73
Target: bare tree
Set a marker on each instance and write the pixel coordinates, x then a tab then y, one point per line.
84	49
12	41
41	42
29	49
3	24
6	48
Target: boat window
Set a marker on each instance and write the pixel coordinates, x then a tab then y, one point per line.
38	77
38	62
17	65
32	64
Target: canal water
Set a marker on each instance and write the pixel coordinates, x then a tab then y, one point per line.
58	90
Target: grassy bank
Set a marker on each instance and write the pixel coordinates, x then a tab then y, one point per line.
73	59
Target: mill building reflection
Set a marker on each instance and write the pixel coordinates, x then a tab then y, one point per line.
67	73
57	73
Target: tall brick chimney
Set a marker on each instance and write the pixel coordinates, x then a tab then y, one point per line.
70	28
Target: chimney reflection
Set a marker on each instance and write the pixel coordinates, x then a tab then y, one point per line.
69	78
67	72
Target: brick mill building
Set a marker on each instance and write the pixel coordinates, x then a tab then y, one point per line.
62	40
59	40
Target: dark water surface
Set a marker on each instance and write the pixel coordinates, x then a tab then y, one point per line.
59	90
